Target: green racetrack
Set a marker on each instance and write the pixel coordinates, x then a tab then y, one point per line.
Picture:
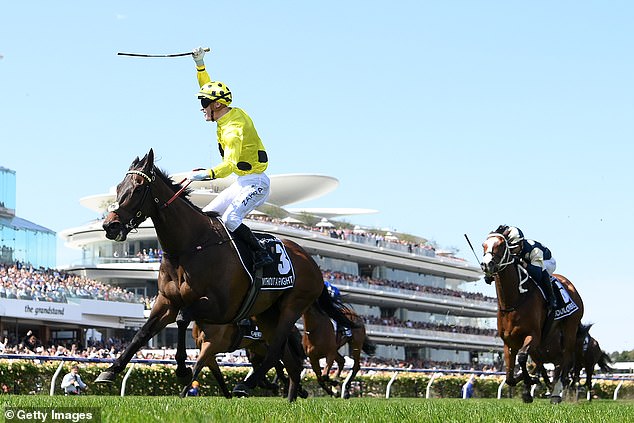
246	410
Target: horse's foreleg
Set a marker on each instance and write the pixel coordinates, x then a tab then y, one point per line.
161	315
356	357
341	363
207	357
330	359
589	372
509	362
273	354
321	380
522	358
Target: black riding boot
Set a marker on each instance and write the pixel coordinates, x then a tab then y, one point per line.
547	286
261	255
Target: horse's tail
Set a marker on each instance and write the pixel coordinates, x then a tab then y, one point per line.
334	309
368	347
605	363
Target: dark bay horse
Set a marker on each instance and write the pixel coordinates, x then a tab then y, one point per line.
589	355
320	340
214	339
201	277
522	316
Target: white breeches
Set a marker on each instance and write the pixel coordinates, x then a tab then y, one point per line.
240	199
550	265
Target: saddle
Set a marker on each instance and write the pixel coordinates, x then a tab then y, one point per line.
565	304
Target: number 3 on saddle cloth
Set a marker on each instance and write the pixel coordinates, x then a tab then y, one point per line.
565	305
277	275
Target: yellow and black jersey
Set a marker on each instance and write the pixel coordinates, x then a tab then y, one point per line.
240	146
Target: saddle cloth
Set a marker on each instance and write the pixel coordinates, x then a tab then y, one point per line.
249	330
278	275
565	305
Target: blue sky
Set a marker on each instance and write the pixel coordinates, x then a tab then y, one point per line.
449	117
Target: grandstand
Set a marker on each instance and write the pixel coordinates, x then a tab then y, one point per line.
387	277
21	240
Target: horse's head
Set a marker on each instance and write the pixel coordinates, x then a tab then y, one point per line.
134	203
497	254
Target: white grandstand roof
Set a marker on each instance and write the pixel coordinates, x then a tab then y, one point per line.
286	189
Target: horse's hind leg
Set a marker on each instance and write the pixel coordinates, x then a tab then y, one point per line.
293	361
183	373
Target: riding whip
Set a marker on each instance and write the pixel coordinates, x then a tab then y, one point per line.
474	253
189	53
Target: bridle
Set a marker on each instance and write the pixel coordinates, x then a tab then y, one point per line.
505	260
139	216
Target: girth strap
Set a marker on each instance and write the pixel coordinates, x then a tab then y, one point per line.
249	300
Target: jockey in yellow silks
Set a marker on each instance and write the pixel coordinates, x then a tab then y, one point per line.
242	153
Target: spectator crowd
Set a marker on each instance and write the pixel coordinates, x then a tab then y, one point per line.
26	283
334	277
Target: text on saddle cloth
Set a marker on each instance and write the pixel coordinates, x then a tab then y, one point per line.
565	304
249	330
278	275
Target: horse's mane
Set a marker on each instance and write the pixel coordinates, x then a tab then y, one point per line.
175	187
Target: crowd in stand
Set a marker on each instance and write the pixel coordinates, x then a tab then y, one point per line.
377	239
333	276
31	345
394	322
26	283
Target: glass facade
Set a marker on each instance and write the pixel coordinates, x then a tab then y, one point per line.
21	240
7	192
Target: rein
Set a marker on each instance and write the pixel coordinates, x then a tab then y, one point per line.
139	216
178	193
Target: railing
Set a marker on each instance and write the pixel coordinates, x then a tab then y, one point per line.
436	373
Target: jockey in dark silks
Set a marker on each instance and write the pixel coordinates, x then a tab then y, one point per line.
536	259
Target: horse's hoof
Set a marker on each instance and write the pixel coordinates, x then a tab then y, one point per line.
183	393
555	399
302	393
527	398
105	377
241	391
